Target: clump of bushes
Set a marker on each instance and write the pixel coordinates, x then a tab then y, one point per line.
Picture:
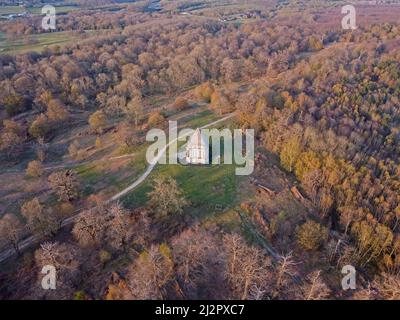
34	169
311	235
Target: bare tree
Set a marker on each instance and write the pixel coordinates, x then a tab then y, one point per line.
65	184
98	121
40	127
367	293
194	252
388	286
40	220
125	135
246	267
150	273
56	254
11	230
89	227
134	109
66	260
166	197
119	230
142	222
34	169
314	288
10	142
285	271
11	137
56	111
41	149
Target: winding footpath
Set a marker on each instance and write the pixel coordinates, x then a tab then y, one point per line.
35	239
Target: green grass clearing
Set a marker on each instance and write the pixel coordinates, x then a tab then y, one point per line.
35	42
7	10
208	188
59	9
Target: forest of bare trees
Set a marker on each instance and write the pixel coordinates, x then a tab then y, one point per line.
324	104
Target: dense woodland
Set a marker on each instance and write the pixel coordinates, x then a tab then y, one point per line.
323	101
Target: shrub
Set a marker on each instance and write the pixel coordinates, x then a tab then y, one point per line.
98	143
73	149
34	169
40	127
155	119
311	235
204	91
98	121
104	256
181	104
65	185
56	111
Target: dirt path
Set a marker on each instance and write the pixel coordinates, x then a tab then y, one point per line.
33	239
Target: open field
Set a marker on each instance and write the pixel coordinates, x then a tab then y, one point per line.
209	189
117	176
59	9
7	10
35	42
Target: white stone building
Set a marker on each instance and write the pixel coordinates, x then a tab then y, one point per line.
197	149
